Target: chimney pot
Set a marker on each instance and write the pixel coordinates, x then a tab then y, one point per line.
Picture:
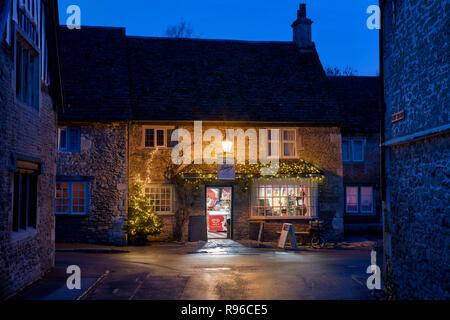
302	29
302	12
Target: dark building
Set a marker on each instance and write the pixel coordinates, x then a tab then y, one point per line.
30	94
117	132
416	147
359	99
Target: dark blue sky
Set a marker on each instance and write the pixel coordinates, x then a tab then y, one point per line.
339	30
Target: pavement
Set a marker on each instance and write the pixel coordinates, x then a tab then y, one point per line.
219	269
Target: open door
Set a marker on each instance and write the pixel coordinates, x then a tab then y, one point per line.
218	212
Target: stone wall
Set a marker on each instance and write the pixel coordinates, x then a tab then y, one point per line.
419	183
416	223
102	162
319	145
25	256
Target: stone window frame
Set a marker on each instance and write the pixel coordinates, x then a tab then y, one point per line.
33	168
70	198
351	141
171	200
359	211
167	142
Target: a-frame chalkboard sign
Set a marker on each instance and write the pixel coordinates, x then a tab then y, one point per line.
287	232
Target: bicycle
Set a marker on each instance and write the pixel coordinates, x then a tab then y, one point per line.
314	234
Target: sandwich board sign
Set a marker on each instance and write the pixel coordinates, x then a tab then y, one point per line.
287	231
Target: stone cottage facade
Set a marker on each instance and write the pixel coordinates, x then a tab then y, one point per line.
417	149
30	94
120	129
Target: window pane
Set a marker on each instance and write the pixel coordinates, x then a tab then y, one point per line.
345	151
160	198
74	139
352	199
366	199
289	149
160	138
32	199
171	143
62	139
62	198
16	203
357	150
78	196
149	138
289	135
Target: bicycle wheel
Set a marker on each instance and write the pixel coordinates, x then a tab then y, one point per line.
317	242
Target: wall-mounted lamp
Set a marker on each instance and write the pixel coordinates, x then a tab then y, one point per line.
227	145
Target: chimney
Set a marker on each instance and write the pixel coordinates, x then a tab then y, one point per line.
302	29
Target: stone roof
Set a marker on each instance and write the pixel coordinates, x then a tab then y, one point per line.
109	76
358	98
95	68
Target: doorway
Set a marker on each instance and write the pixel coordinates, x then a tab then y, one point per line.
218	212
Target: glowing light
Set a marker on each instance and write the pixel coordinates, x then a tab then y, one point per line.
227	145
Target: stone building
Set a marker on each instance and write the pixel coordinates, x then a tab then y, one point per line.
359	99
417	148
118	130
30	94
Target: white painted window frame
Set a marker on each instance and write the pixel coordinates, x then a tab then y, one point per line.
159	186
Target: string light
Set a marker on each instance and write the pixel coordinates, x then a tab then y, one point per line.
299	169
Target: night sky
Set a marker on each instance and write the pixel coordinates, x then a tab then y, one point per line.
339	29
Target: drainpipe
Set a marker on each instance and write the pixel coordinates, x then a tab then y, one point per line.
385	207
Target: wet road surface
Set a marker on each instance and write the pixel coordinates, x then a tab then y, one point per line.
224	269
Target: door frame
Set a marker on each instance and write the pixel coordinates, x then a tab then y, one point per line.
232	206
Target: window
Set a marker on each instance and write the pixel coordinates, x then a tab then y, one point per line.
366	199
353	150
158	138
351	202
5	21
289	142
69	139
27	74
357	150
346	150
71	198
160	197
287	198
288	145
359	199
25	200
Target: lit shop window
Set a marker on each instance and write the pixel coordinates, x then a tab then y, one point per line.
285	200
